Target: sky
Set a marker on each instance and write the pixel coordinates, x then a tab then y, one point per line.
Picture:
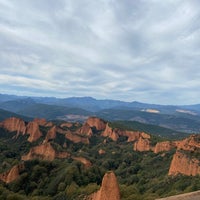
130	50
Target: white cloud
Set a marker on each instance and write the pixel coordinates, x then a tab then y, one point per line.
144	50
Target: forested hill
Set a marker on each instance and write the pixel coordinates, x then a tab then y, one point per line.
67	160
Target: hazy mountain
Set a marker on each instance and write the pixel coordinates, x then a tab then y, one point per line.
181	118
52	111
17	104
6	114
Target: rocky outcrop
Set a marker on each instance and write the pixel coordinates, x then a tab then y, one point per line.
115	133
14	124
33	130
99	124
76	138
110	132
85	130
109	189
84	161
101	151
164	146
40	122
51	134
43	122
183	164
143	144
67	124
12	174
44	152
191	143
18	125
133	135
49	124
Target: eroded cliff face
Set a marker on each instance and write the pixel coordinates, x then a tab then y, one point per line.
44	152
78	133
66	124
115	134
76	138
110	132
186	159
183	164
109	188
164	146
85	130
191	143
34	131
18	125
12	174
14	124
40	122
142	144
51	134
98	123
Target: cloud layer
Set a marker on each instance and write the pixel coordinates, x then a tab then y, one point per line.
144	50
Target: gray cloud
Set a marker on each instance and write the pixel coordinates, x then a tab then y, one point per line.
145	50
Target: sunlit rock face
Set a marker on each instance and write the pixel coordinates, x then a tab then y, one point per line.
143	144
96	122
14	124
182	164
33	131
109	188
164	146
44	152
12	174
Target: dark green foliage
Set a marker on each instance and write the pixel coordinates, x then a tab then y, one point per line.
141	175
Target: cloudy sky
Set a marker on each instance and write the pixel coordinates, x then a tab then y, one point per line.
144	50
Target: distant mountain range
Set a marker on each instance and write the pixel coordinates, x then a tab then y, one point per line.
180	118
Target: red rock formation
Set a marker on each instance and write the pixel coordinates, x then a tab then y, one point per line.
12	174
86	162
40	122
115	133
33	131
110	132
51	134
109	189
62	155
191	143
76	138
142	144
164	146
132	135
67	124
101	151
182	164
145	135
99	124
49	124
85	130
44	152
14	124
